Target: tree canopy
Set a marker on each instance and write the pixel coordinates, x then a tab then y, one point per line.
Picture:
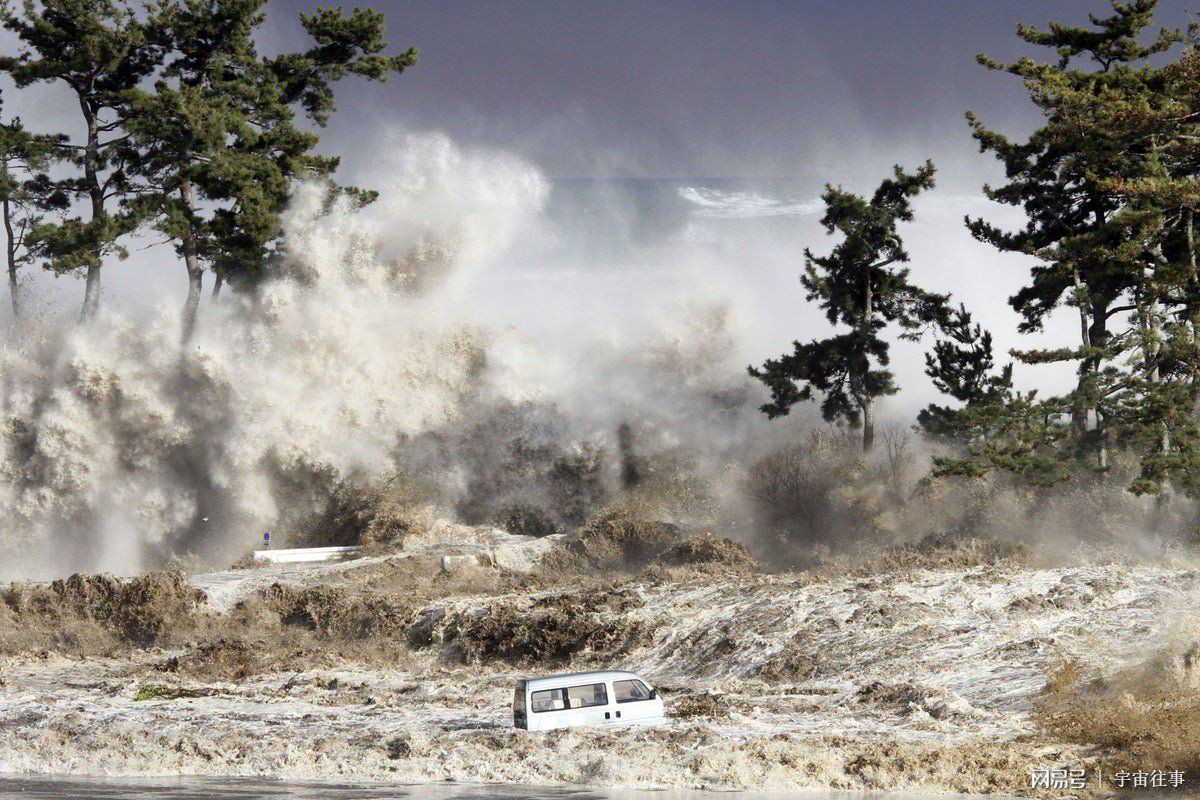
217	142
187	127
858	286
26	194
100	50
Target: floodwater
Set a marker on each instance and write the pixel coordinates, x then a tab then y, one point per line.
929	678
52	788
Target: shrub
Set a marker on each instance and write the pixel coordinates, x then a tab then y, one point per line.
822	490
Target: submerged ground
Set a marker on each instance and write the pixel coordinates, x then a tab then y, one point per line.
925	670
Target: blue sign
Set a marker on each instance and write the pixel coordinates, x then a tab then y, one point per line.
267	539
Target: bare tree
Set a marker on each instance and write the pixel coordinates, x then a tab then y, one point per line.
897	444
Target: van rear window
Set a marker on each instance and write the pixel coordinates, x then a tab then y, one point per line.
630	691
548	700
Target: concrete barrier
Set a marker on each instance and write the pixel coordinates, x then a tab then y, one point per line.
298	555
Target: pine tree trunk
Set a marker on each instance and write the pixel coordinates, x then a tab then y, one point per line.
866	402
218	282
1084	335
1097	334
91	293
91	172
192	305
11	253
1153	348
868	416
1193	310
1153	354
191	259
1085	340
1091	329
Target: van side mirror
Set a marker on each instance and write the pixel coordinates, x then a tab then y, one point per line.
654	694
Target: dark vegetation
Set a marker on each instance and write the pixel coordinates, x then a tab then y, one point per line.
189	130
1109	184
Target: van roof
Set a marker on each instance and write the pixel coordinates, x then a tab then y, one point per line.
596	675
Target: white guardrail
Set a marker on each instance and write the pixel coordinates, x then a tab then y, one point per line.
303	554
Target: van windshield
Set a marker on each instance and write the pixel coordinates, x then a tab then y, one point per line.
519	699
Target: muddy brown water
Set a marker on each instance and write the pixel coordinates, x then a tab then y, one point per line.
53	788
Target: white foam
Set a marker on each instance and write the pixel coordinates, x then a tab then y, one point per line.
745	205
969	651
362	350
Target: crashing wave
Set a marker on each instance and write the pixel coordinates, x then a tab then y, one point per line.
744	205
361	356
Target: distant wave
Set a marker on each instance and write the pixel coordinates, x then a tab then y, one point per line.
744	205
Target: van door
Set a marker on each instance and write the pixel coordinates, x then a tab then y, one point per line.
589	704
633	701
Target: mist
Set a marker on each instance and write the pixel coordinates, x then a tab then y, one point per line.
394	337
382	342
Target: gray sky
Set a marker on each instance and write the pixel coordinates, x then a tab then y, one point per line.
689	88
821	90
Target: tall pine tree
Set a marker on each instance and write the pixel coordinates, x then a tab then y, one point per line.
1110	186
1091	253
99	50
217	140
1155	115
26	194
859	286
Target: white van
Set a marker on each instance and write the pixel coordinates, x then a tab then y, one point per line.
585	698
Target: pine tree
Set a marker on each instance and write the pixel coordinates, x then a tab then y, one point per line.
1156	396
1110	185
217	138
26	193
858	286
1092	253
963	367
99	50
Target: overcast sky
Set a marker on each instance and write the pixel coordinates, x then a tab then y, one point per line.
683	88
674	88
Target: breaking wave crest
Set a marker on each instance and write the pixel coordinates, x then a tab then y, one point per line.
360	357
744	205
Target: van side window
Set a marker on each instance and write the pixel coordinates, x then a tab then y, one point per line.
630	691
548	700
594	694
